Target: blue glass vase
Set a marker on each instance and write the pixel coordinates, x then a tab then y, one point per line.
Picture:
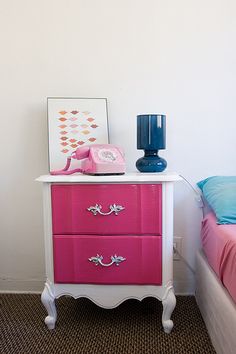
151	162
151	137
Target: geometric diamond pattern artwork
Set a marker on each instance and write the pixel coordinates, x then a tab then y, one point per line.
74	122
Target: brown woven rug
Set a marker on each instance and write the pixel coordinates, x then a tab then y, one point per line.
82	327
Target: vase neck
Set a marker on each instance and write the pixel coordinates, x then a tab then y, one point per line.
150	153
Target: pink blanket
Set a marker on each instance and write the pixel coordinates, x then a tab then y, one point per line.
219	245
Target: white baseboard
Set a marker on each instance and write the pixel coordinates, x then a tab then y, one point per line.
36	286
184	279
184	288
21	286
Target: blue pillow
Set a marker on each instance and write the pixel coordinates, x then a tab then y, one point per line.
220	194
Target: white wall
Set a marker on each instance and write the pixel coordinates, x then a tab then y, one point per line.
160	56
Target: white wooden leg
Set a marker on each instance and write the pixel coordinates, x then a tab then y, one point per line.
168	307
48	300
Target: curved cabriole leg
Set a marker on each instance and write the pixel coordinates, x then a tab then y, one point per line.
48	301
168	307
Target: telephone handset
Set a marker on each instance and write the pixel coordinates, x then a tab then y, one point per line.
97	159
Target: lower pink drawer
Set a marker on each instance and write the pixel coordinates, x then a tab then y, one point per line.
125	260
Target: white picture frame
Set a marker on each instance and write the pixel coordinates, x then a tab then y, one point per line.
74	122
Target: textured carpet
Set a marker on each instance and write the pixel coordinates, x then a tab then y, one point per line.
82	327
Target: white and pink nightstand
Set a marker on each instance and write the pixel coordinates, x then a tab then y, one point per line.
109	239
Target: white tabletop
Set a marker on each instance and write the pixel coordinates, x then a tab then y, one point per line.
136	177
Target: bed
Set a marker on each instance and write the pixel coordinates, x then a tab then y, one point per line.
216	263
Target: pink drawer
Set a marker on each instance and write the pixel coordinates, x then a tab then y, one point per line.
141	213
141	264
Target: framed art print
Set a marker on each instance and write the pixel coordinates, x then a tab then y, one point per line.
74	122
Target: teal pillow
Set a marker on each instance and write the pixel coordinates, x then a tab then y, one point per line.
220	194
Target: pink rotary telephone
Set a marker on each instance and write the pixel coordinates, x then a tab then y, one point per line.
97	159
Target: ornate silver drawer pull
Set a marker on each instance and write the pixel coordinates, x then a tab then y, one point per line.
113	209
114	259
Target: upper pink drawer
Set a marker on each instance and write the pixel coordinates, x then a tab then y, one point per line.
141	213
